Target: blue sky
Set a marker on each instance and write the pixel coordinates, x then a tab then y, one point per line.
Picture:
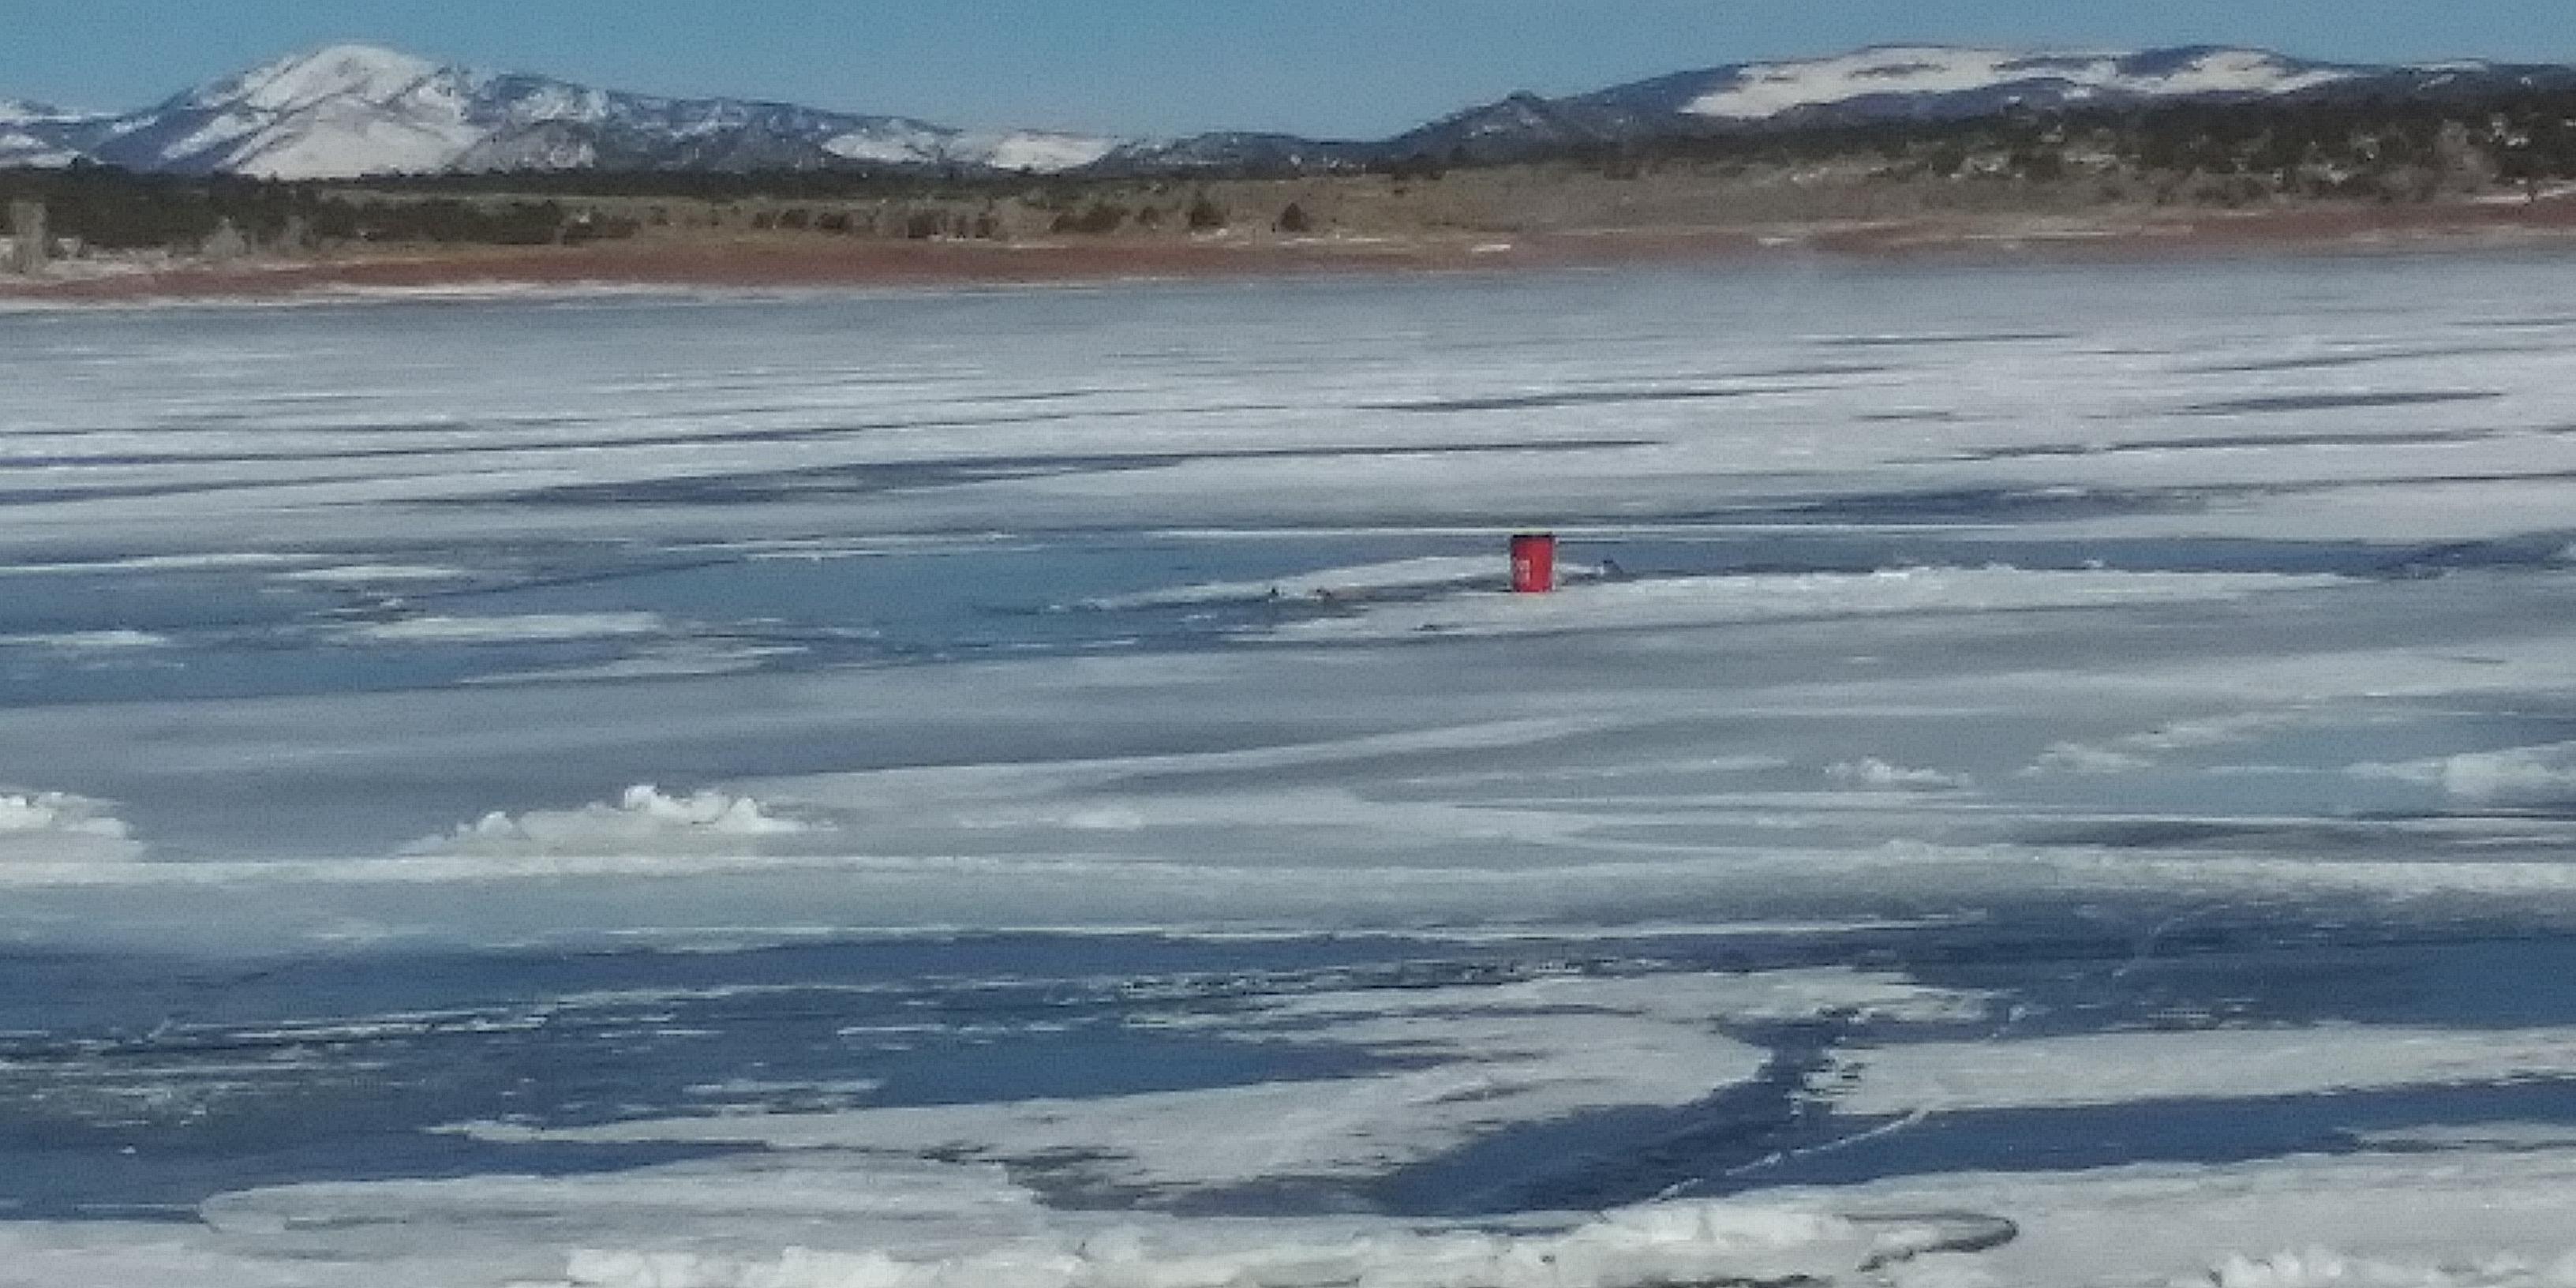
1334	67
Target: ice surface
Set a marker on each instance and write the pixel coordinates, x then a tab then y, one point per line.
2527	774
56	827
874	1223
2111	1068
76	641
372	574
1701	601
1488	1057
1428	572
2448	1218
1659	1245
1477	1060
527	628
2463	1218
2051	642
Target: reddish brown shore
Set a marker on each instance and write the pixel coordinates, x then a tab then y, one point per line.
787	262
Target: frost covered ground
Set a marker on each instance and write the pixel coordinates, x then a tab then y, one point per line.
2040	775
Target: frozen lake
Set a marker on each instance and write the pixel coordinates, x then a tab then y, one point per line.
2038	775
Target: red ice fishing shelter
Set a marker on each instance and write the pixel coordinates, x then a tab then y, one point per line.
1534	563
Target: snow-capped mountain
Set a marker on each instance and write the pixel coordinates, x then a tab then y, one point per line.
1234	152
1923	83
35	134
1934	82
353	110
19	112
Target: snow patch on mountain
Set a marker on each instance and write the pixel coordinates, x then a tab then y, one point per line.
1760	91
353	110
363	73
892	145
349	139
40	134
19	148
16	111
1039	153
341	111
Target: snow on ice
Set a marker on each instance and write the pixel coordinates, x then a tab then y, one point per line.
2100	607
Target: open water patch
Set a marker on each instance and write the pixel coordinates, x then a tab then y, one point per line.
2275	404
1591	398
876	477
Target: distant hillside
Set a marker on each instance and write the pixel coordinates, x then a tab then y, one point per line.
2504	144
356	110
1934	85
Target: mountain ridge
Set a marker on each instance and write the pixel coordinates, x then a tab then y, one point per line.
351	110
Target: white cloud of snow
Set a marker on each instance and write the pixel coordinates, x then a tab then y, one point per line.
2141	750
645	820
2515	774
1872	772
2083	758
372	573
88	641
526	628
57	827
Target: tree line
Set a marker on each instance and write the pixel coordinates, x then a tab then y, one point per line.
2384	147
113	209
2350	147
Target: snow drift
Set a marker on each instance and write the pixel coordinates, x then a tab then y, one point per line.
644	820
57	827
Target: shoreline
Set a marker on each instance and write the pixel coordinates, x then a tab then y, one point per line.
804	262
